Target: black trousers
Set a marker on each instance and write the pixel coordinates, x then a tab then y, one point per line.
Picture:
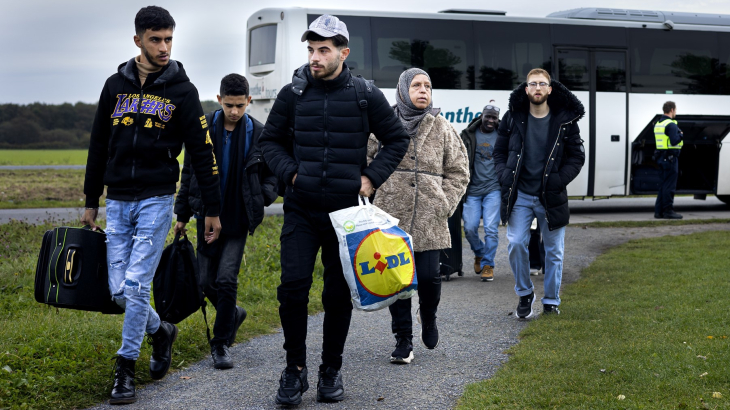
429	293
219	266
303	234
665	196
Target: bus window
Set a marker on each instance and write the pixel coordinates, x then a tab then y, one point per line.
724	86
443	48
359	60
674	62
573	69
506	52
262	46
610	71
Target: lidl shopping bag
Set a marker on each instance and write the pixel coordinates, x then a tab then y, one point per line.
376	255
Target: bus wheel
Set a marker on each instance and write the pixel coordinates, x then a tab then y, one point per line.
724	198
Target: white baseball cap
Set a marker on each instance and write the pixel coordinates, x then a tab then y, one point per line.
327	26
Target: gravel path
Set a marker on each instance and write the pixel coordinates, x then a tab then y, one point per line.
475	324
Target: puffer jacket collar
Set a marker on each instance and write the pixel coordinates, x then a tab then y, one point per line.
303	78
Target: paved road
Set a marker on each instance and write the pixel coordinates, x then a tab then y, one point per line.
582	211
475	322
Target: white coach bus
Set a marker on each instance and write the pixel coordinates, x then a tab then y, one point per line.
622	64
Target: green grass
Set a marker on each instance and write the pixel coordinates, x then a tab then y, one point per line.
644	224
43	157
647	321
53	358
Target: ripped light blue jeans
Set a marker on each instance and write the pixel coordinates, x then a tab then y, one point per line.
135	237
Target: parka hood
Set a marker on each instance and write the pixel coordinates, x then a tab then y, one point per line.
561	100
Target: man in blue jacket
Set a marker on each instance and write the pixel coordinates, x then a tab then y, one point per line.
315	142
247	186
146	111
668	138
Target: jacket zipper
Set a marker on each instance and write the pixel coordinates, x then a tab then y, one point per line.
560	129
326	145
514	177
415	179
136	130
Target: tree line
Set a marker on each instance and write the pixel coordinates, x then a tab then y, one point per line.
52	126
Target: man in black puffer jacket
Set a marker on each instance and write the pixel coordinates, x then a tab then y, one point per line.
323	163
538	152
247	186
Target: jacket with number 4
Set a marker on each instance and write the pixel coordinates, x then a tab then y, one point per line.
564	151
250	184
138	133
328	146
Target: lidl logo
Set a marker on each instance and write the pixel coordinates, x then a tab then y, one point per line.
349	226
383	274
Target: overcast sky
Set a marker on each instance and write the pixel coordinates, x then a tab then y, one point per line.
63	51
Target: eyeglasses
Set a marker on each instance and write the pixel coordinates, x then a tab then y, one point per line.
491	107
535	85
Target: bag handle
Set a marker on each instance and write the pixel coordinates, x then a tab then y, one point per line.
88	228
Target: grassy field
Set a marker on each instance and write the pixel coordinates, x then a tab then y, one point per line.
43	188
61	358
646	327
43	157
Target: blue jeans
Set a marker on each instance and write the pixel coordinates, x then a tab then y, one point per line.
135	236
487	207
525	209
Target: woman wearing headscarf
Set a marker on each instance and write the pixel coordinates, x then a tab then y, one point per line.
422	193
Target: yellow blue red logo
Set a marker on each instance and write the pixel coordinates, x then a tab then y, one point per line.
382	261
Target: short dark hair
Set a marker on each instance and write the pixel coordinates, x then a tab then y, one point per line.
669	106
339	40
152	18
234	84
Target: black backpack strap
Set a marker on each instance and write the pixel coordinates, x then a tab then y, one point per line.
363	89
205	318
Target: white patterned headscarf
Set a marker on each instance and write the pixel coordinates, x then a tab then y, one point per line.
409	115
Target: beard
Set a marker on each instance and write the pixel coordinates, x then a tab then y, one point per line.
151	60
538	100
328	69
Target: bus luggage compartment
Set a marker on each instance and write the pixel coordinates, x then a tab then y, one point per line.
698	161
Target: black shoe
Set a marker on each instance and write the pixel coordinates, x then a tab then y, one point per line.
672	215
429	331
329	386
221	357
240	317
292	384
161	357
524	308
550	310
123	391
403	352
658	216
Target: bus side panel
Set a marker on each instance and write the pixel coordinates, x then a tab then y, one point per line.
579	186
723	174
610	154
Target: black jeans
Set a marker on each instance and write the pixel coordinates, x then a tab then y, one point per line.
665	196
304	232
429	293
219	266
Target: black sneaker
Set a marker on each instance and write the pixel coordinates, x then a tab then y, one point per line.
403	353
329	386
240	317
658	216
524	308
123	391
221	357
672	215
429	331
161	357
550	310
292	384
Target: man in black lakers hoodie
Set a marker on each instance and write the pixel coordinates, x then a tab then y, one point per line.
146	111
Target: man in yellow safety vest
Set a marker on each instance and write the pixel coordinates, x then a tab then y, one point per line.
669	143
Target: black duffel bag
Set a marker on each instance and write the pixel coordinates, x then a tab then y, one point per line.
72	272
176	285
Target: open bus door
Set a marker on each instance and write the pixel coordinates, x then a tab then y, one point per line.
700	161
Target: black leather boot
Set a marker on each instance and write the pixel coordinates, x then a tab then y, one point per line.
123	391
161	357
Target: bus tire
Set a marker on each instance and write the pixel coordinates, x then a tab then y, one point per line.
724	198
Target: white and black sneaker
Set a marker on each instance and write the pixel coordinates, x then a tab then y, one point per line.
403	353
550	310
524	308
